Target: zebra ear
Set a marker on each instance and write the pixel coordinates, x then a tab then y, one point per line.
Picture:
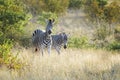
61	34
53	20
68	35
50	20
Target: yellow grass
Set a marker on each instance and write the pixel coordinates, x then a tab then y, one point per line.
72	64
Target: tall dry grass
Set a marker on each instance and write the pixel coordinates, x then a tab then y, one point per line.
72	64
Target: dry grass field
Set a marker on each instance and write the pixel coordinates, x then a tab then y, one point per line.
71	64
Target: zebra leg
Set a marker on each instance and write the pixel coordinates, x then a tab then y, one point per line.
36	49
57	49
42	49
49	50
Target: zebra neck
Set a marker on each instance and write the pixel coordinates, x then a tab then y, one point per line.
60	40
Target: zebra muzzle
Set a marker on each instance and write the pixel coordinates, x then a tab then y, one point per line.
65	46
36	49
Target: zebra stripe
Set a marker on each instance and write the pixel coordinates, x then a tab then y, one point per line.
58	41
41	39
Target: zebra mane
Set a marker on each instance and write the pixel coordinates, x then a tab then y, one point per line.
63	35
37	32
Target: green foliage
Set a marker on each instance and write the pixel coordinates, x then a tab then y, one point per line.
94	10
5	49
12	19
117	33
114	46
101	36
75	4
101	33
112	13
11	12
7	58
25	41
45	16
12	15
98	10
78	42
54	6
102	3
103	16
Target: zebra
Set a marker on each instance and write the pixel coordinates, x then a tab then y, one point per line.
42	39
59	40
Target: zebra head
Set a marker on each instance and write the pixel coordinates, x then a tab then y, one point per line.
49	26
65	40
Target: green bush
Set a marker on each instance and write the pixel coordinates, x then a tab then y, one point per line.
117	33
75	4
102	36
98	10
78	42
7	58
25	41
112	13
101	33
54	6
114	46
45	16
12	17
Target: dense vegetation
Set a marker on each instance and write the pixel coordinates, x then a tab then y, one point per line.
14	15
12	19
105	16
55	6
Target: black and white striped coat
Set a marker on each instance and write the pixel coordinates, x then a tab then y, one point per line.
59	40
41	39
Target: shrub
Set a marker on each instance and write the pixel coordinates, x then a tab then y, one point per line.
114	46
12	17
102	36
25	41
78	42
75	4
94	10
117	33
54	6
112	13
98	10
45	16
7	58
101	33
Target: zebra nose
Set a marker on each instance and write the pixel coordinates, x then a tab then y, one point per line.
36	50
49	32
65	46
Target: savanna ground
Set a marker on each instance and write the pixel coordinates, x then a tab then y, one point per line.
71	64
